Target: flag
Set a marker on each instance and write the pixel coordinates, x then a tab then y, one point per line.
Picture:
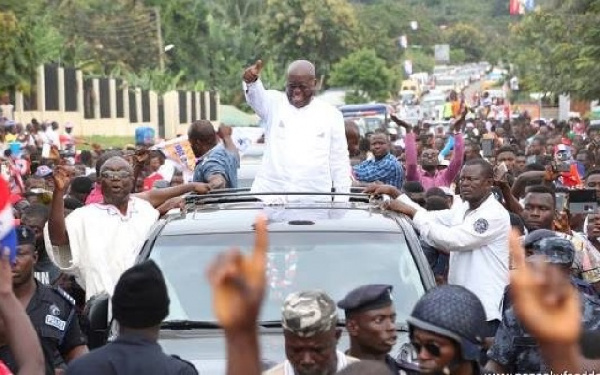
8	236
514	7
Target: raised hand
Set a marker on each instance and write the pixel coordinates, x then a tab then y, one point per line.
238	283
224	131
62	177
548	318
252	73
400	122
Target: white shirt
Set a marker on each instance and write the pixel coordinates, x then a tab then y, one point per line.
52	137
305	148
103	243
478	244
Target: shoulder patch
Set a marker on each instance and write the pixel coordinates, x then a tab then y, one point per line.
481	225
64	295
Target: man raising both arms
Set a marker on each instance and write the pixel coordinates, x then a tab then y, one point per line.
306	148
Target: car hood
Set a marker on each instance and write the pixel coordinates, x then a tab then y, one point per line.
205	349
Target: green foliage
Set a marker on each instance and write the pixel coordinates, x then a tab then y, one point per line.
365	74
322	31
458	56
558	50
467	39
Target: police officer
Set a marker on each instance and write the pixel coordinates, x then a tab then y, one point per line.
515	350
371	323
51	310
139	304
445	329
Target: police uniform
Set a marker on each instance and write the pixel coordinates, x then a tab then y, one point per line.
367	298
53	315
517	351
514	348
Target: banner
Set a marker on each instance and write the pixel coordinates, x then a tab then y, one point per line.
179	150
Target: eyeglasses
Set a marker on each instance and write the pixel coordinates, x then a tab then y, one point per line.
301	86
431	347
115	175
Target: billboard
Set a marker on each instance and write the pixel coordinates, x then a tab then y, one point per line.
442	53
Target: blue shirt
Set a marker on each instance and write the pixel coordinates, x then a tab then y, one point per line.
387	170
221	161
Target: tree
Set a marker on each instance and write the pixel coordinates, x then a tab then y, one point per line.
322	31
467	38
365	74
559	51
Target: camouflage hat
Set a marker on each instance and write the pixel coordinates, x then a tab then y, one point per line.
307	313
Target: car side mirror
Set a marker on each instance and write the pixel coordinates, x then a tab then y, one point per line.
96	311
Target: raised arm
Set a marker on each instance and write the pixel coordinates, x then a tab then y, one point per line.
20	334
256	95
157	197
56	222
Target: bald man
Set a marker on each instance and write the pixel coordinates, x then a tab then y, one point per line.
217	163
306	148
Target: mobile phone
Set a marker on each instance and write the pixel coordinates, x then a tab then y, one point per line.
561	201
487	146
582	201
561	167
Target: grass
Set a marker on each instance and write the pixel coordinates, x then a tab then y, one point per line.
106	141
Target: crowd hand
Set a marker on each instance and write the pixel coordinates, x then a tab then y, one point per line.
62	177
6	282
460	122
238	283
551	173
399	122
380	189
562	223
200	188
502	184
224	131
252	73
141	157
548	318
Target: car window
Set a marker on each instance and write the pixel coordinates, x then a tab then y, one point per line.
334	262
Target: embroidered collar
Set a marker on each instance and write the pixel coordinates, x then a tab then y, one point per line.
113	210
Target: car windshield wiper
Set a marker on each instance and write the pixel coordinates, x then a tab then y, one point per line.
188	324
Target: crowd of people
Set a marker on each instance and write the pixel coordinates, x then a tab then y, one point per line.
518	270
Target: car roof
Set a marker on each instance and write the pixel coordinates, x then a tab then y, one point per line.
293	217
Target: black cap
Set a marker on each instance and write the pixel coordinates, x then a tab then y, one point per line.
25	235
536	235
141	299
367	297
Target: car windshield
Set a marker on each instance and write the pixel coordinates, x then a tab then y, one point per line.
334	262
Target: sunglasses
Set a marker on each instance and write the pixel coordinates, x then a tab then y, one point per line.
431	347
115	175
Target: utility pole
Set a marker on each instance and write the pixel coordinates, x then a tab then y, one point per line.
159	40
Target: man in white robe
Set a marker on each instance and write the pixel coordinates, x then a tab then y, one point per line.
306	149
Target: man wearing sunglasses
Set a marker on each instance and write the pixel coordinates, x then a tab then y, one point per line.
306	147
446	328
100	241
514	349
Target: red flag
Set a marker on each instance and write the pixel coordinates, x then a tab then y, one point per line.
514	7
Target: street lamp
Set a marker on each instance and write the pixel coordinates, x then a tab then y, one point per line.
169	47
